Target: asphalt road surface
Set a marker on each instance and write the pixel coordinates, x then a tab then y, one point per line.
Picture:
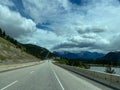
46	76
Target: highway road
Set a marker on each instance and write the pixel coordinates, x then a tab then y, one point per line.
46	76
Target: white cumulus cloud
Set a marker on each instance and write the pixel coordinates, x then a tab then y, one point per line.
14	24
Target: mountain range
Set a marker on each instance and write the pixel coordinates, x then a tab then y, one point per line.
112	56
79	55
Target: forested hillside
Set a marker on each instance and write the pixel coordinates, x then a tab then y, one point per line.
11	51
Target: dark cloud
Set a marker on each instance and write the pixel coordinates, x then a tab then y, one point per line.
84	44
115	43
90	30
64	45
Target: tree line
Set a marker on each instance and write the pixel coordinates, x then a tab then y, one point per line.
7	37
10	39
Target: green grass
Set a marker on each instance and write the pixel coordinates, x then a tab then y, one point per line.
2	58
6	42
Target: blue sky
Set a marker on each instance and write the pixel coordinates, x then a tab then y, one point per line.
63	25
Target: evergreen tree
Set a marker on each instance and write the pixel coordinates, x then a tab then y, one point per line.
110	70
0	32
3	34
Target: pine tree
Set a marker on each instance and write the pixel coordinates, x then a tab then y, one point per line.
4	34
110	70
0	32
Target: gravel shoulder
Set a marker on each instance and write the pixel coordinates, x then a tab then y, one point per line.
4	68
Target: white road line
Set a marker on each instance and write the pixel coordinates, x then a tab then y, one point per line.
32	72
9	85
58	80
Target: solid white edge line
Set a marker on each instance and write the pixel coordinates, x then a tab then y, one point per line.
58	80
9	85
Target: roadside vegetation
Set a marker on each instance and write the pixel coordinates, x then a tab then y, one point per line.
110	70
76	63
87	63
